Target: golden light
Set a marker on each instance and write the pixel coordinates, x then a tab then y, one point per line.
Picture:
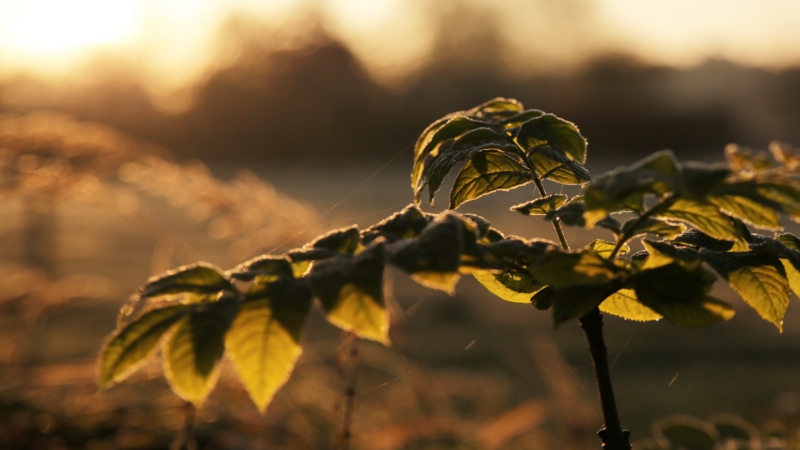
41	28
170	46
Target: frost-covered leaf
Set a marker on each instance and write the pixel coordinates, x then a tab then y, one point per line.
434	257
624	303
263	266
487	171
350	289
194	348
407	223
264	339
541	206
343	240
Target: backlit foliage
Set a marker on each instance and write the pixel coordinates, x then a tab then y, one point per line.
696	222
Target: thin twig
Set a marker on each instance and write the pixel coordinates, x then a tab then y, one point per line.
184	440
349	367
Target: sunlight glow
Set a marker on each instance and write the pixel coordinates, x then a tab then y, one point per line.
44	27
172	45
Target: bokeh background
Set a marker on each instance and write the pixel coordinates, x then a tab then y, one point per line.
139	135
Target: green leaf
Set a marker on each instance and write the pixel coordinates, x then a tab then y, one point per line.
488	171
442	132
192	283
759	278
624	303
407	223
552	165
194	348
783	195
541	206
351	292
695	313
751	211
497	109
459	152
792	276
264	339
704	217
510	286
604	248
133	344
624	189
555	133
263	266
513	123
637	227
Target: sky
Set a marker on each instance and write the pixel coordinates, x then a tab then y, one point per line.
173	44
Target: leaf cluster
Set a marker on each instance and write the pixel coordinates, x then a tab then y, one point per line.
256	312
695	221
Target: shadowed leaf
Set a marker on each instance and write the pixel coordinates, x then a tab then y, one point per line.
134	343
624	189
573	301
193	283
194	348
351	292
541	206
690	306
434	258
689	433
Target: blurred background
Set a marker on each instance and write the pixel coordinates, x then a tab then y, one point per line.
139	135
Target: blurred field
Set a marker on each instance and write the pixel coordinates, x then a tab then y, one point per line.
468	371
